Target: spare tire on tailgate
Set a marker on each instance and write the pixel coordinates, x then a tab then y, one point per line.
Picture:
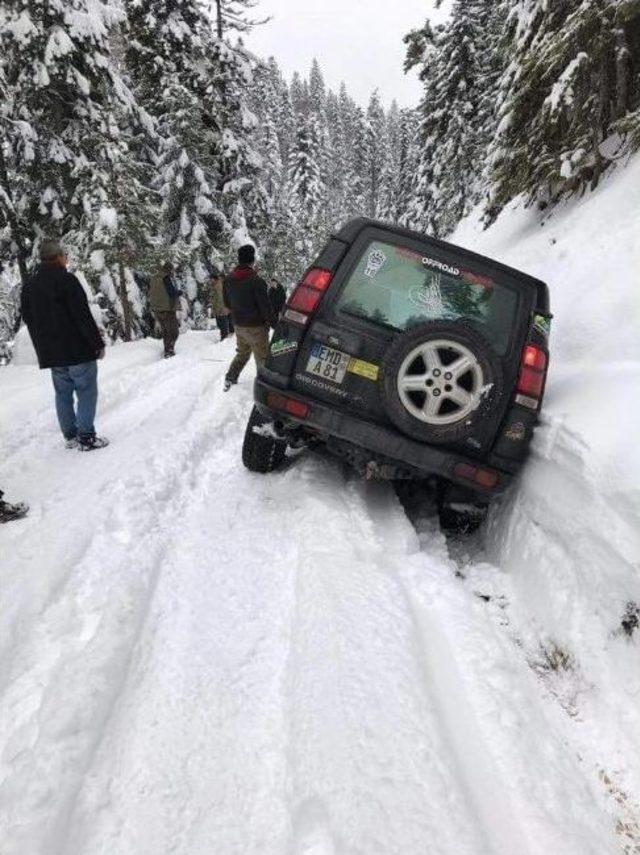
439	381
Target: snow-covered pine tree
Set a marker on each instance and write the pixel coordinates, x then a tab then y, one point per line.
235	16
241	185
9	311
460	98
62	93
123	240
390	201
282	108
356	198
453	122
299	92
566	87
409	159
334	181
318	110
284	252
196	86
424	49
317	89
305	182
267	138
342	152
376	148
168	60
274	231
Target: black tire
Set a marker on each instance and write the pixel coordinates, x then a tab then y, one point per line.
453	521
459	509
468	426
261	453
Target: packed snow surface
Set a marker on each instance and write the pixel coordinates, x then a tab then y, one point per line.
198	660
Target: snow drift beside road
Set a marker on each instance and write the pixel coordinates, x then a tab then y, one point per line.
569	534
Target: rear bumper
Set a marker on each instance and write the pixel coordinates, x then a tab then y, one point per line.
381	442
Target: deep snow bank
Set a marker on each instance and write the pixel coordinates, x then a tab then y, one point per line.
568	535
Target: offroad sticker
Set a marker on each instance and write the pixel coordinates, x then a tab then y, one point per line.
368	370
282	347
375	262
542	324
441	265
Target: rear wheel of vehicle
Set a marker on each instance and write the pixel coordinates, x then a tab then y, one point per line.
439	381
261	452
459	509
457	521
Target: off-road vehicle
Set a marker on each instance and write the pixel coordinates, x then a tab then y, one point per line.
409	358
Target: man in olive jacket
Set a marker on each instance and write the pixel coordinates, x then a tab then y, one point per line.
67	340
220	311
164	301
247	296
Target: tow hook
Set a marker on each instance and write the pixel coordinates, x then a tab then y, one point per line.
374	471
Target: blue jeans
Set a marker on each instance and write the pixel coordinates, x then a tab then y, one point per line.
83	380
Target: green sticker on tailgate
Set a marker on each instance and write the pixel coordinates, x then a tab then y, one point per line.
542	324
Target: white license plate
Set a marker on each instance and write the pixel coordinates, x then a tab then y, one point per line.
328	363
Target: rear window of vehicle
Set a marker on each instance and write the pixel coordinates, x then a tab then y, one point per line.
401	288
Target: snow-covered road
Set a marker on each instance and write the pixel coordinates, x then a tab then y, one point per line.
198	660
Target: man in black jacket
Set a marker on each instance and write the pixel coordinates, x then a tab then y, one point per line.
67	340
277	296
247	296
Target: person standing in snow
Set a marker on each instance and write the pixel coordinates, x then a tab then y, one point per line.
277	297
218	307
67	340
247	296
164	299
12	512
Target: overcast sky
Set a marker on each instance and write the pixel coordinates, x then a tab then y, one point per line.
358	41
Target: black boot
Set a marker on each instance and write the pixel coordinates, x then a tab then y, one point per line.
12	512
92	442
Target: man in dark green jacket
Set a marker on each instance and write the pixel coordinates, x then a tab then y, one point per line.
164	299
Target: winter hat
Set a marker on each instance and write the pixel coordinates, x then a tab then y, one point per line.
51	248
247	254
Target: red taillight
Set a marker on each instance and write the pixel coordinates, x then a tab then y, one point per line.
533	367
318	278
534	358
305	299
288	405
307	296
530	383
483	477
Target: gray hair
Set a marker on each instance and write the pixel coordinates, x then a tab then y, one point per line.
51	248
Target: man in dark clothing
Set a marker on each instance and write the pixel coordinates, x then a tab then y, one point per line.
164	299
247	296
12	512
277	297
67	340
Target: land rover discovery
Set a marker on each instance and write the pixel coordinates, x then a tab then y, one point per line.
409	358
